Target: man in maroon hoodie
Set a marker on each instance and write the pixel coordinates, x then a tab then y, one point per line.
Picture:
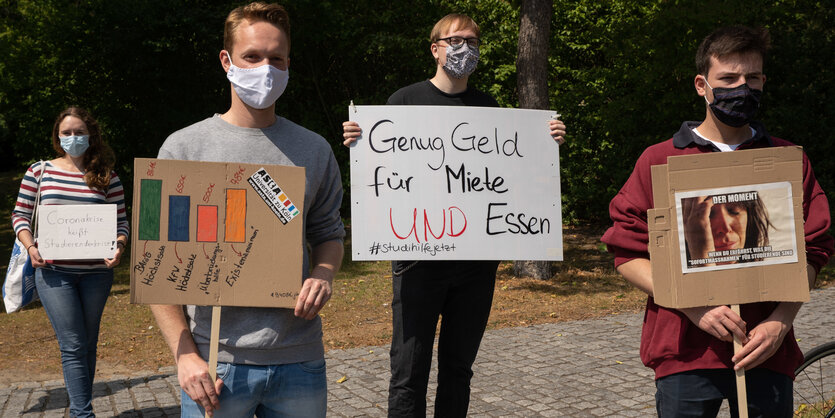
691	349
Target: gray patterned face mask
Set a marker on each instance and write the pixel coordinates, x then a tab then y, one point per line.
461	60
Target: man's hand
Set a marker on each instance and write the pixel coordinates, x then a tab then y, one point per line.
557	128
718	321
316	289
763	342
314	295
351	131
194	378
766	338
192	370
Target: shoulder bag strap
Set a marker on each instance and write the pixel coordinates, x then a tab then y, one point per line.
37	201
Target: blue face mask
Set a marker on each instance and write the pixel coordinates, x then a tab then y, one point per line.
75	145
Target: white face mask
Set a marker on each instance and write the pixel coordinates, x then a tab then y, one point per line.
258	87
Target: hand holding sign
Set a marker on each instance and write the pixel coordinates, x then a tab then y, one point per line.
35	257
117	257
718	321
557	128
350	131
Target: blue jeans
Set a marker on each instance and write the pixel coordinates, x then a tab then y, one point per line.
284	390
699	393
74	302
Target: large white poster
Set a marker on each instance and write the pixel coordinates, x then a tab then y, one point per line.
77	232
454	183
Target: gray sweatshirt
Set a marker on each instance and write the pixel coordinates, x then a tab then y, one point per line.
266	335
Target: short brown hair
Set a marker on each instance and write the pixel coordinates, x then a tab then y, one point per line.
255	12
461	21
98	159
731	40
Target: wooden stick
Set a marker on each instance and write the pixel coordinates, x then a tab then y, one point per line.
741	391
213	345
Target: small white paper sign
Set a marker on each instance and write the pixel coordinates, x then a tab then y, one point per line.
76	232
454	183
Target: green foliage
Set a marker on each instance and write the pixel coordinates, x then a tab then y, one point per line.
142	68
621	72
622	76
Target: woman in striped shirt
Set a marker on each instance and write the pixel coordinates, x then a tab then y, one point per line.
74	292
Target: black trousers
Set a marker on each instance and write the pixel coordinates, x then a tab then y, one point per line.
461	293
699	393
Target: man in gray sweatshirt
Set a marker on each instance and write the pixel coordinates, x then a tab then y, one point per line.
270	360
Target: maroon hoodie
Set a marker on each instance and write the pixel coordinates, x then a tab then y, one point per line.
670	342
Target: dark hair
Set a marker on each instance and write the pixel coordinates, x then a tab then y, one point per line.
98	159
731	40
756	231
255	12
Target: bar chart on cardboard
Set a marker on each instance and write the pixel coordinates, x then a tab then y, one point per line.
179	212
211	233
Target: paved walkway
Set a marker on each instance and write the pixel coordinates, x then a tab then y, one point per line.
578	369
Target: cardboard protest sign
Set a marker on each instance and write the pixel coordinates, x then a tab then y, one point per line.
727	228
217	234
454	183
76	232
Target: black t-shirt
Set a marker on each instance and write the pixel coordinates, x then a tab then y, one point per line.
424	93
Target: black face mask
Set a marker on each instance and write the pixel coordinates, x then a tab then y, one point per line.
735	106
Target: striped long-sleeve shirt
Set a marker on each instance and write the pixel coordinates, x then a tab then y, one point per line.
60	187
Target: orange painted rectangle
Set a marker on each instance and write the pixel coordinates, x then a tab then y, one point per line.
206	223
235	215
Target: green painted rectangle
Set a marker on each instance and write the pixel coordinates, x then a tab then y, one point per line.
150	205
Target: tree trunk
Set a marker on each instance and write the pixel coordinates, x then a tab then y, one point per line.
532	87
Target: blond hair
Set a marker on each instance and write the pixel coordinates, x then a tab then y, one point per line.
255	12
457	20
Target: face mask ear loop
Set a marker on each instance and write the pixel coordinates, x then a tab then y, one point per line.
711	90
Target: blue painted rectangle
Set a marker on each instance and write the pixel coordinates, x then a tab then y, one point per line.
178	211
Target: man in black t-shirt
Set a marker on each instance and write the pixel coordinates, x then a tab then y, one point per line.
459	291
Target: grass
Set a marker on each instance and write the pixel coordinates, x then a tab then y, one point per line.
815	410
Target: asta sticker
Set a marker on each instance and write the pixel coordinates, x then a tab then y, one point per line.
273	196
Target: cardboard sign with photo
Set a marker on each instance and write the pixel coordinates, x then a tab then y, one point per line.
727	228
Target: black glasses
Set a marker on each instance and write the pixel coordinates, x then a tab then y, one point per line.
458	41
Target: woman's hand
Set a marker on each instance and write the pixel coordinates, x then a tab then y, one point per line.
697	232
117	257
350	131
35	257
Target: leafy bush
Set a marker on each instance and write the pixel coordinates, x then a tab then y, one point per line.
621	73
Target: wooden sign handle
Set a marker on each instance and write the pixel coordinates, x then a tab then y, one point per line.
213	345
741	391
